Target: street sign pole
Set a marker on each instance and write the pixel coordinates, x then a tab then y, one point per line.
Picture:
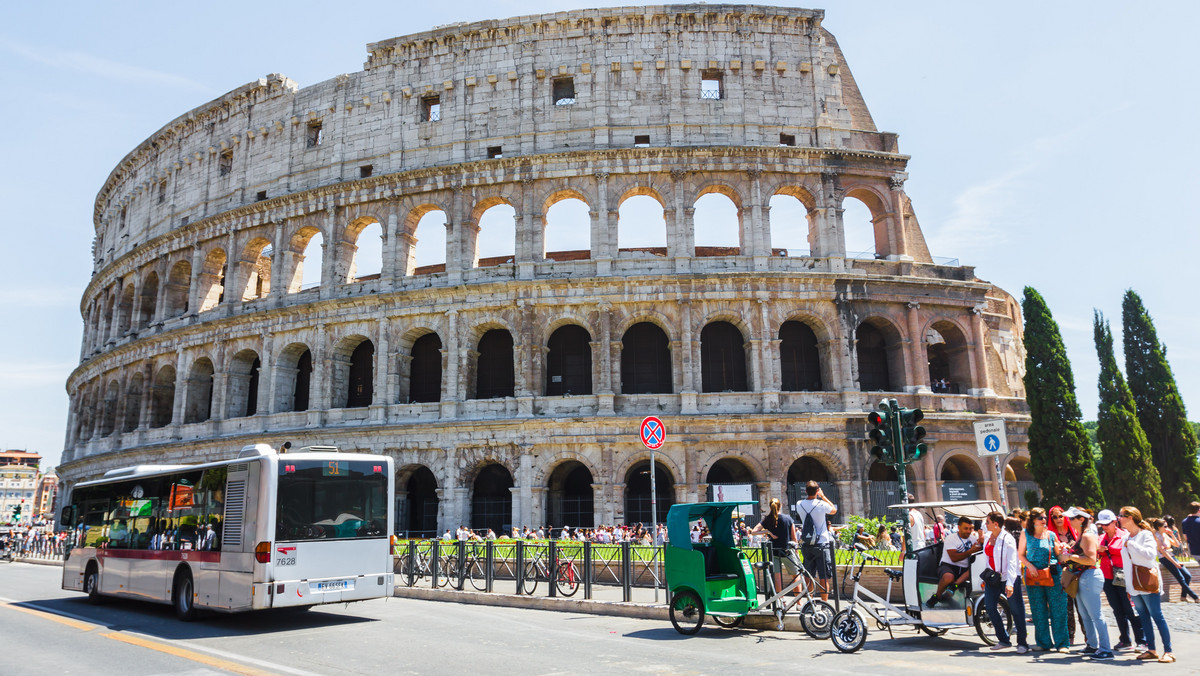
653	434
991	438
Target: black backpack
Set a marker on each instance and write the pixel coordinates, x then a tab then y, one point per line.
808	531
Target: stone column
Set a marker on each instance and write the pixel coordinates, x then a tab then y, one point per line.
180	389
978	354
266	375
329	254
147	396
233	285
899	236
393	267
916	353
194	285
452	391
755	239
603	238
279	266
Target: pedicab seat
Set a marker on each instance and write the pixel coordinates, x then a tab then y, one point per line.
896	575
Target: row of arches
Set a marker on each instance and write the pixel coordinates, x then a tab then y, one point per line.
570	494
278	259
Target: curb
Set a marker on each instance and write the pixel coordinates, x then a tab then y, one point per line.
642	611
39	562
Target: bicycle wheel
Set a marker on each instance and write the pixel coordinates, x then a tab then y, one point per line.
816	617
447	565
529	583
687	612
410	572
983	622
477	575
729	622
848	631
847	585
567	579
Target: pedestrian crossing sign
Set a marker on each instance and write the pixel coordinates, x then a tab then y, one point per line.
990	438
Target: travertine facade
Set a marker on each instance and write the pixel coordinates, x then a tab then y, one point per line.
199	336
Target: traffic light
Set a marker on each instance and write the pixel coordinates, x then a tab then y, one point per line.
881	433
912	433
16	517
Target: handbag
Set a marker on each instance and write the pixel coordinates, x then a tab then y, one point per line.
1070	581
1145	579
1038	577
1118	577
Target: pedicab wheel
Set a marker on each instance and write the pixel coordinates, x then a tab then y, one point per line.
983	623
687	612
816	618
848	631
729	622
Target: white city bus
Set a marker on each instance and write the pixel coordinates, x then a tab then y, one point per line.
264	530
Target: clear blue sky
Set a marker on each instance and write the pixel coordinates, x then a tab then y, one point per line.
1052	144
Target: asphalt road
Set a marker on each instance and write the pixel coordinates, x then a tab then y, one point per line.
45	630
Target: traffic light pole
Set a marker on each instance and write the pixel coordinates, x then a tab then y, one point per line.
901	467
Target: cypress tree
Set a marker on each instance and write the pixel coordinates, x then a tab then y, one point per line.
1160	409
1127	471
1059	456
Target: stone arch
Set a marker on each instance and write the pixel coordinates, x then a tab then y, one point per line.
418	513
723	357
353	377
162	396
423	249
791	224
133	402
213	274
717	224
948	356
566	225
570	498
880	218
293	378
361	249
643	237
637	490
494	365
422	367
306	247
491	497
147	301
879	350
255	265
199	391
242	384
177	289
569	361
492	239
802	366
959	466
112	401
646	365
125	309
748	470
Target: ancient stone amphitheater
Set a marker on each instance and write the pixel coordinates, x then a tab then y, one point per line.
662	190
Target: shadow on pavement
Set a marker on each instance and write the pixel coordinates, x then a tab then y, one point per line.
707	633
159	620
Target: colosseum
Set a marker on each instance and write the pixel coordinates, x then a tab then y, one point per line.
499	246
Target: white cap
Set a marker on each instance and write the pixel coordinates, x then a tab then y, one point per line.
1105	517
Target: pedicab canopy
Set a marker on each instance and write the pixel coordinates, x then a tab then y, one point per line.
972	509
718	516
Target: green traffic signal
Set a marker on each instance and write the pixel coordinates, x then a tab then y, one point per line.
912	433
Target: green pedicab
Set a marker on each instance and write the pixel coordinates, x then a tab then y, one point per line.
712	577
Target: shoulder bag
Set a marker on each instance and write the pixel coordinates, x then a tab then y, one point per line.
1145	579
1038	577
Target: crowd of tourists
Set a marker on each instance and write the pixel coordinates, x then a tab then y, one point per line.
637	533
23	541
1070	562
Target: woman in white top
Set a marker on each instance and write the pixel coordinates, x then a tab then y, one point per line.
1000	548
1142	549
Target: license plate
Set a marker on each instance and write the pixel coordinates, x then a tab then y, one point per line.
333	585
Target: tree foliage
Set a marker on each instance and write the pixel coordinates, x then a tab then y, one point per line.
1059	456
1160	408
1127	470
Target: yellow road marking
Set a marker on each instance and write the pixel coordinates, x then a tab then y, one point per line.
81	626
186	654
226	665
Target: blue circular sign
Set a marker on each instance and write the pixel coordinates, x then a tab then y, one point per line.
991	443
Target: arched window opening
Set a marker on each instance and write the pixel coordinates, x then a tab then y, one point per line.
722	358
133	403
569	361
310	264
960	478
805	469
367	262
728	479
637	492
162	397
494	366
304	367
148	301
878	362
949	359
491	499
361	375
112	399
178	283
243	384
799	358
429	245
789	226
199	391
568	231
645	360
421	500
212	280
496	242
569	500
257	264
293	373
717	224
859	228
642	226
125	310
425	383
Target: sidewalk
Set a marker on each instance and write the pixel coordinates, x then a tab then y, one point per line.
606	600
37	560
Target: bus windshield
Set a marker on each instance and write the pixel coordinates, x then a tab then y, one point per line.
323	499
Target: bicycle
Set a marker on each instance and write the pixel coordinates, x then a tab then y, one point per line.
816	615
566	579
417	567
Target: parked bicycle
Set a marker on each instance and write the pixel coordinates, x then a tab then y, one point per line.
418	566
566	577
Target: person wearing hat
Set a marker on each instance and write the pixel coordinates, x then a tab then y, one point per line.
1083	558
1112	542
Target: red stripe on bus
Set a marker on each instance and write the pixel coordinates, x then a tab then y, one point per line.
160	555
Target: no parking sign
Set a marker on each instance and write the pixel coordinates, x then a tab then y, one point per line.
653	433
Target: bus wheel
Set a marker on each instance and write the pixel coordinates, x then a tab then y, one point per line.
91	585
183	599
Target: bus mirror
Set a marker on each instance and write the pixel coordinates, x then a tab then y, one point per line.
68	517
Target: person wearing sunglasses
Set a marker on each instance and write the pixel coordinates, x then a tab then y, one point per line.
1067	535
1083	559
1039	551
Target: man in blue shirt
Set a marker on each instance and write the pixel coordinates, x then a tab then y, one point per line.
1191	530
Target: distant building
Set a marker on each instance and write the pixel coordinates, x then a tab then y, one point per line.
45	496
18	483
15	457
